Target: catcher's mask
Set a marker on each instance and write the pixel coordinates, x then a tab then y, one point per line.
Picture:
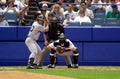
62	37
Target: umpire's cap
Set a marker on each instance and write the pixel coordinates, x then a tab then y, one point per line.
40	17
62	35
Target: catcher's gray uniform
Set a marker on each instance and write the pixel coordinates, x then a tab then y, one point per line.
60	50
63	47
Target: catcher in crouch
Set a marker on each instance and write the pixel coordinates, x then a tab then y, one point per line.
63	46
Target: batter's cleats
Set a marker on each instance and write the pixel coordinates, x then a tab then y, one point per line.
51	66
34	66
30	67
70	66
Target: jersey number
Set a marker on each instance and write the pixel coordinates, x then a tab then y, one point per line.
32	28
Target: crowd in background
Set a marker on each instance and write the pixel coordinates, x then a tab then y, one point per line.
65	10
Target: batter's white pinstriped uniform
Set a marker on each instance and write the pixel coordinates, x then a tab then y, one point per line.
31	41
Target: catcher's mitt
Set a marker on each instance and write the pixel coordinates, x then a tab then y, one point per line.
60	49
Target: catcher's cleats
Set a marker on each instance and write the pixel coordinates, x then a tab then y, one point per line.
75	66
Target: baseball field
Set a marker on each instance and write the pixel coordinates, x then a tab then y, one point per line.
60	72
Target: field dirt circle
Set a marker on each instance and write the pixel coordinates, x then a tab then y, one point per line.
27	75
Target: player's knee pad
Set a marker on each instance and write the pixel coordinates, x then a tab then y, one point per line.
56	60
52	51
31	60
75	53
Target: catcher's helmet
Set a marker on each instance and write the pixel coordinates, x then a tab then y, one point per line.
62	35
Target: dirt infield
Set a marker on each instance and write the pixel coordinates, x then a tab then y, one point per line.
27	75
16	73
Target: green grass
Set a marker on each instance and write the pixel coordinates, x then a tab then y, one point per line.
81	73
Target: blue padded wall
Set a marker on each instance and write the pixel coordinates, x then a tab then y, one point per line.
79	33
8	33
23	33
96	45
13	53
102	52
106	34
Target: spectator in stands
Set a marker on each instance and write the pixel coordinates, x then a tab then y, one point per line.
82	17
2	4
25	3
21	8
106	3
87	11
67	19
70	12
11	9
97	3
90	6
63	1
114	13
61	6
56	11
77	2
109	8
44	2
2	21
44	10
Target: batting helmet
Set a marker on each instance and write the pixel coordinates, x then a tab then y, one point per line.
40	17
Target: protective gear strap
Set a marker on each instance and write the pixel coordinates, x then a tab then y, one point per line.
75	56
52	59
31	60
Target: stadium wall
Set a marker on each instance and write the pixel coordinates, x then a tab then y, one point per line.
96	45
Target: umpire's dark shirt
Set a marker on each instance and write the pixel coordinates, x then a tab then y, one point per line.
54	31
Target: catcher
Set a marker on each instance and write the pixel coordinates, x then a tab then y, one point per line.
63	47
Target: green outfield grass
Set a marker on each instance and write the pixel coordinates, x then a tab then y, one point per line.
81	73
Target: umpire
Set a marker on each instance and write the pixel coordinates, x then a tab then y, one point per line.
55	29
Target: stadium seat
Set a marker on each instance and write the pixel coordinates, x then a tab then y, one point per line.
119	21
99	15
98	21
12	18
73	23
87	24
111	22
100	11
